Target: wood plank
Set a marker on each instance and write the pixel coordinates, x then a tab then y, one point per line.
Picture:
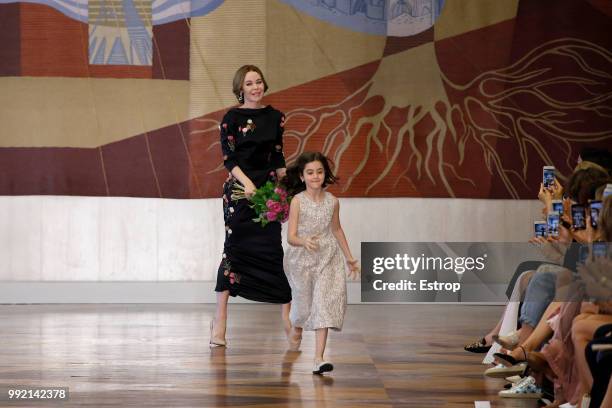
158	356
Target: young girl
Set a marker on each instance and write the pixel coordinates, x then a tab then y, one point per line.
313	263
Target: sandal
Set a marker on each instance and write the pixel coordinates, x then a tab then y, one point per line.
479	346
215	342
508	360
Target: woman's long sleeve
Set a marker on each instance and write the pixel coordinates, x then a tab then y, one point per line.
277	157
228	144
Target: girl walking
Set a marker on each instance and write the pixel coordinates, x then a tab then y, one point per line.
314	263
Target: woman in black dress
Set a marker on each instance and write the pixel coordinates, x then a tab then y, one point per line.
252	146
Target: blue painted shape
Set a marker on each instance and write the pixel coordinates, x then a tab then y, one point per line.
98	59
78	10
401	18
117	55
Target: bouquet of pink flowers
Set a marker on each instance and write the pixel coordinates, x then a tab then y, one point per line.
270	202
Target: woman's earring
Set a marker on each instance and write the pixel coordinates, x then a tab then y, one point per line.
241	97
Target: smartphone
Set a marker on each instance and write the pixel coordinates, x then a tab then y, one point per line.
548	176
540	228
600	249
557	206
595	209
578	217
552	223
583	254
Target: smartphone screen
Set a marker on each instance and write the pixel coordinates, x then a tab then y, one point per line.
553	224
583	254
557	206
600	249
595	208
578	217
548	176
540	228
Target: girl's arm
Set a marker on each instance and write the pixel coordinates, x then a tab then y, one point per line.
310	243
341	238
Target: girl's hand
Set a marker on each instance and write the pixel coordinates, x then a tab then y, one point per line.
354	268
311	243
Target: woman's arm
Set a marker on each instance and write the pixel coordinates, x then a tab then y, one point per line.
228	148
277	156
249	187
341	238
310	243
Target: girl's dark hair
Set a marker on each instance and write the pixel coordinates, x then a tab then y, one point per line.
292	180
583	184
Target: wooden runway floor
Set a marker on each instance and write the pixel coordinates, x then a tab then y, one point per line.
158	356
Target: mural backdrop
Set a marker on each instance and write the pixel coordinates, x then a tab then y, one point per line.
410	98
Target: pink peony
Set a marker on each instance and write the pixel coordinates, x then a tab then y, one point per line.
269	203
276	207
224	126
271	216
230	138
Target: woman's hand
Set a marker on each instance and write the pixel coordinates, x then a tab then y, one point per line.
586	235
249	189
545	195
311	243
354	268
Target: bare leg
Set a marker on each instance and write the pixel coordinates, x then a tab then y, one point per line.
489	336
321	341
541	332
285	309
583	328
220	321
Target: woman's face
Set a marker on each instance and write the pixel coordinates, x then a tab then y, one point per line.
253	88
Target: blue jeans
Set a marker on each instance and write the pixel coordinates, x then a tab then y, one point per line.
538	295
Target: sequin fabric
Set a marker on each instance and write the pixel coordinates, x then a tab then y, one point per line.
317	279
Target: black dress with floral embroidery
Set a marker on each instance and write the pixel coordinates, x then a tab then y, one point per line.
252	261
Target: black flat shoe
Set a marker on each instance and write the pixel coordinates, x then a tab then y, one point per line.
479	346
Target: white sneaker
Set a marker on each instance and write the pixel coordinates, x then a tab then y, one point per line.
501	371
514	379
526	388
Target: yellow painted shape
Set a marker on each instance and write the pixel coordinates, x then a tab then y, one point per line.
290	47
302	48
86	112
462	16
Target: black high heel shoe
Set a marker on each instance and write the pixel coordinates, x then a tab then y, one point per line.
507	358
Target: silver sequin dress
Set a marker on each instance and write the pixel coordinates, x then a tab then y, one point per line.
317	279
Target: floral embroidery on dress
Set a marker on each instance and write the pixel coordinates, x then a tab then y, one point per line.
250	126
231	143
233	277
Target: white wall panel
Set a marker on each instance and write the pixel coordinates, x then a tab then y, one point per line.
50	238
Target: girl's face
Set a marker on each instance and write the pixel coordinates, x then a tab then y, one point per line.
253	88
314	175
